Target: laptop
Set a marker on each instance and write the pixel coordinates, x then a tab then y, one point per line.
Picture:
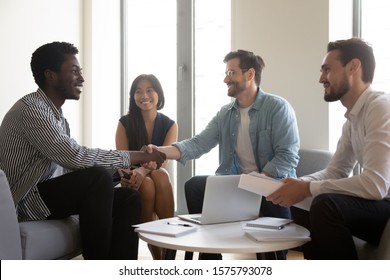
225	202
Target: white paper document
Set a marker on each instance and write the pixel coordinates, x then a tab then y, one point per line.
172	227
264	185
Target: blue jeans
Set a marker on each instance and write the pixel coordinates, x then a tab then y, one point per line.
334	219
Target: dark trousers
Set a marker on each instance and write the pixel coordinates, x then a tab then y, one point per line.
194	192
106	213
333	220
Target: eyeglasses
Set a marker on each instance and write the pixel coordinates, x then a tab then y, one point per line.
230	73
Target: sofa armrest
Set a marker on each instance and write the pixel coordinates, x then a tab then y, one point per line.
10	245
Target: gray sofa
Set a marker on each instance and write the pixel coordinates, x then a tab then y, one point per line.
312	160
45	240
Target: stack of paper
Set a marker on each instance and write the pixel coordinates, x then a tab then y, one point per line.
274	229
173	228
267	222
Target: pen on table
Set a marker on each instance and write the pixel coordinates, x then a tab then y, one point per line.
177	224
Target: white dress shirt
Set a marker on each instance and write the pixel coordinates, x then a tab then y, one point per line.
365	139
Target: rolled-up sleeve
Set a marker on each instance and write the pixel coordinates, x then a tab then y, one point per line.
201	143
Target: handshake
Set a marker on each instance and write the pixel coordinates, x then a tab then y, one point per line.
149	155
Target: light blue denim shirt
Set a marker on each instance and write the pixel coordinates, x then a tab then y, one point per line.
273	131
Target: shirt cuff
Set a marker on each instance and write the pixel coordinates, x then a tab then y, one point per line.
126	159
315	188
182	151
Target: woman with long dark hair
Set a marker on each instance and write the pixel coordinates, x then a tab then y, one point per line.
144	125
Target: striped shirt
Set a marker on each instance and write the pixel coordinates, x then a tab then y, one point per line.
36	145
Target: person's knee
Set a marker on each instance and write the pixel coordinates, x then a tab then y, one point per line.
195	186
320	202
161	179
323	207
194	193
188	185
161	174
102	174
100	180
148	187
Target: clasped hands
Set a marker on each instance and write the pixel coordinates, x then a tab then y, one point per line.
133	177
154	158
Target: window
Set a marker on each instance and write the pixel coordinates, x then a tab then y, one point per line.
375	28
184	47
151	46
368	20
212	32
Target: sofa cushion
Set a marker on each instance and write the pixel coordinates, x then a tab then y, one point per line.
371	252
365	250
50	239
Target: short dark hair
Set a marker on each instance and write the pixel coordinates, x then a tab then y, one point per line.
248	60
49	57
356	48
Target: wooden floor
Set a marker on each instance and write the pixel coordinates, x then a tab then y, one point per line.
144	254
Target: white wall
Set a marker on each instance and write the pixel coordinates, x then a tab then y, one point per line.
291	37
340	17
93	26
101	46
24	26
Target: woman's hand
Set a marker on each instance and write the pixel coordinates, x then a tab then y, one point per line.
150	166
132	178
137	177
125	176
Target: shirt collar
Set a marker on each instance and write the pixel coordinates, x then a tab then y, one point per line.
256	105
57	113
357	107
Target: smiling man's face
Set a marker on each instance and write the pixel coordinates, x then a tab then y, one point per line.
334	77
69	80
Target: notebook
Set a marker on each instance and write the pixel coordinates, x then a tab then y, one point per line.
225	202
268	222
290	232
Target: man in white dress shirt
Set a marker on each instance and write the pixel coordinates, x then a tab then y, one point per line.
344	206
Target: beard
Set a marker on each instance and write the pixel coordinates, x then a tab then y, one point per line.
67	91
335	94
236	89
